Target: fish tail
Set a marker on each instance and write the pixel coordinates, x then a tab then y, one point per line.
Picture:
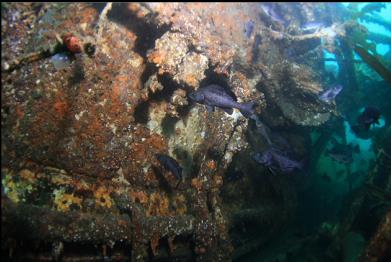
247	109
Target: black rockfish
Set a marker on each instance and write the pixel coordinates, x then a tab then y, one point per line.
216	96
369	116
170	164
342	153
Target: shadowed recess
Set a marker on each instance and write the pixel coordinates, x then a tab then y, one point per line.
146	31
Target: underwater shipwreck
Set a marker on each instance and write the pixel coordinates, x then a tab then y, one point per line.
195	132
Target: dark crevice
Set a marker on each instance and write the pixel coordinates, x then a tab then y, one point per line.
147	32
33	250
217	79
255	48
193	49
184	157
78	74
98	6
168	125
141	112
214	78
149	70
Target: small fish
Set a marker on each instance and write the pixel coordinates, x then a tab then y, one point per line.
330	93
276	160
249	28
312	26
170	164
370	116
262	129
342	153
216	96
373	7
343	158
326	177
270	10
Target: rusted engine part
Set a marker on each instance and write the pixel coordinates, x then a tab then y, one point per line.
35	224
379	248
97	84
136	226
151	217
199	38
145	232
99	124
122	98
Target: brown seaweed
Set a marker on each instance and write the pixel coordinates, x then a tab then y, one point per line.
374	63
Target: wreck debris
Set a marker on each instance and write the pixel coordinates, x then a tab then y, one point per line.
19	62
169	52
96	115
171	55
179	98
57	250
191	72
378	248
68	42
102	19
297	81
79	145
153	84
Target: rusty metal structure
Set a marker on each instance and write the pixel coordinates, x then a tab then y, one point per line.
80	178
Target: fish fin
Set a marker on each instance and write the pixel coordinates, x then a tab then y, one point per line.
217	87
223	90
247	109
210	108
227	110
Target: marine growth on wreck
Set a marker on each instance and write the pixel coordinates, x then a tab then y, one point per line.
196	132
